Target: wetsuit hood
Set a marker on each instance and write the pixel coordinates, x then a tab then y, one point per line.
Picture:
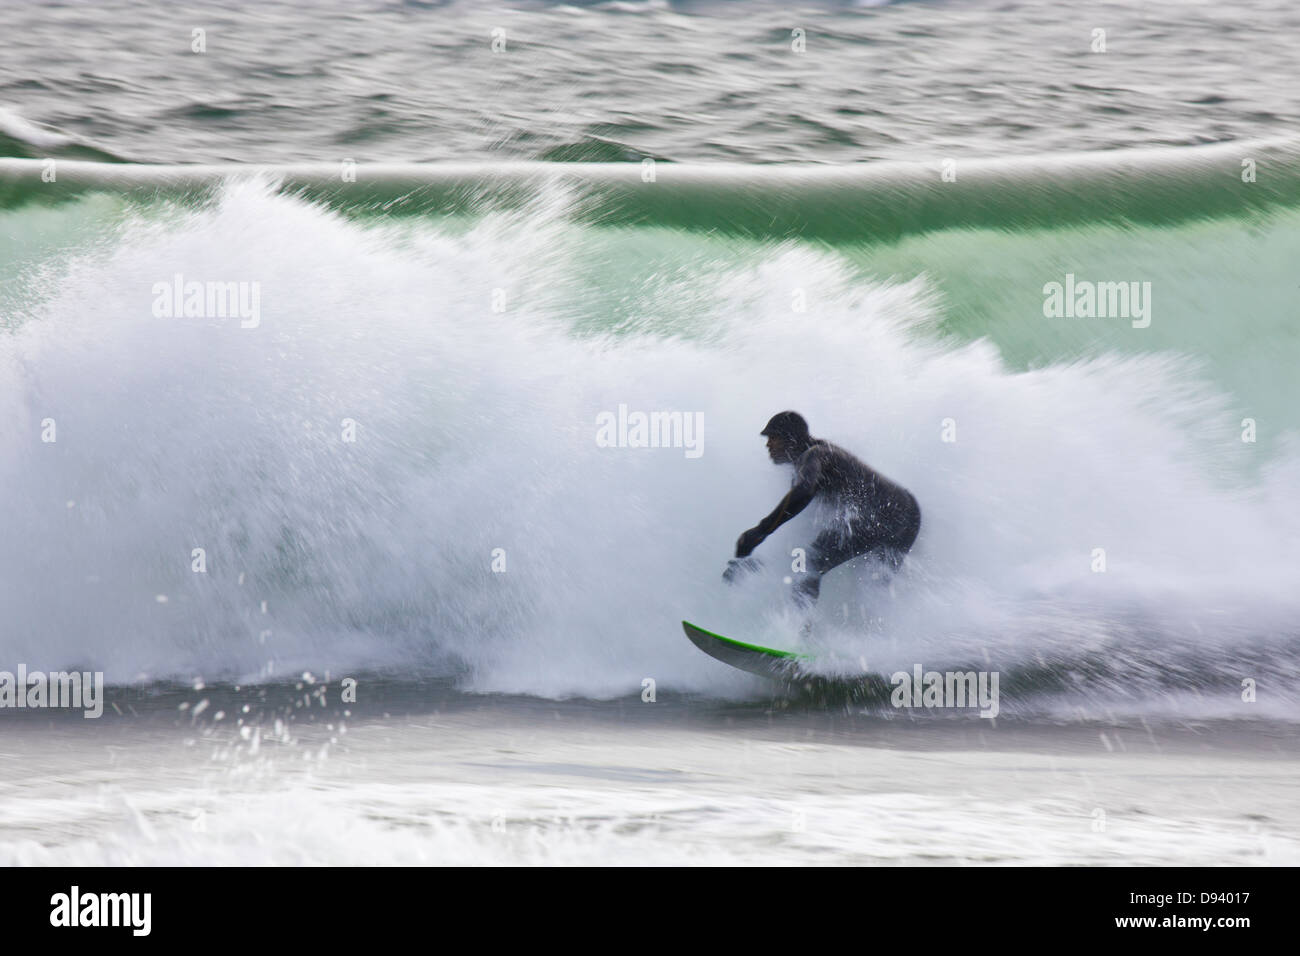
789	426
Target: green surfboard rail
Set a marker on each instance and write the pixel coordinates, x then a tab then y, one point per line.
771	652
788	670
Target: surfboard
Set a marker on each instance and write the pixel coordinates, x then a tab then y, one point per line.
763	661
791	669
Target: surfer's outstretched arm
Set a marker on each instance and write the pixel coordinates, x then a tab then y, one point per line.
794	502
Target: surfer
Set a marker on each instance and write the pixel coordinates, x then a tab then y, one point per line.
868	514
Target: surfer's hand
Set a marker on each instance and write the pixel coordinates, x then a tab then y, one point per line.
737	568
748	541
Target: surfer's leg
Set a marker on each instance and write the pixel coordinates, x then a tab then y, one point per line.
893	548
805	592
900	541
831	549
828	550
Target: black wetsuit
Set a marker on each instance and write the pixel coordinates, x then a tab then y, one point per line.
869	514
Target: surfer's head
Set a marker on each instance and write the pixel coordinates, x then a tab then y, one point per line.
787	436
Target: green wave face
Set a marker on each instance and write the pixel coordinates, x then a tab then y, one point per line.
1216	252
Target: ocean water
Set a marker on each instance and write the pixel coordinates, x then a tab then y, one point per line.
463	257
